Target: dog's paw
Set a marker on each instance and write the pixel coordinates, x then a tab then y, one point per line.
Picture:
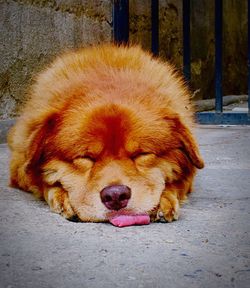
59	203
168	209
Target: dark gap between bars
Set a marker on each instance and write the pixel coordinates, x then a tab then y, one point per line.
121	21
248	60
218	56
186	39
155	27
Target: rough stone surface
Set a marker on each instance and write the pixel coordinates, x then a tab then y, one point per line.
5	125
209	246
32	32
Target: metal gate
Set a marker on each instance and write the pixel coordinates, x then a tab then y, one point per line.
121	35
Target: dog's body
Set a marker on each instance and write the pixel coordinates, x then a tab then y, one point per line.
106	131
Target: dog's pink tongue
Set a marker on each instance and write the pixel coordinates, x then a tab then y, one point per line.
129	220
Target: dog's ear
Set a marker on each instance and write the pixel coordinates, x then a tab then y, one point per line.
186	141
38	150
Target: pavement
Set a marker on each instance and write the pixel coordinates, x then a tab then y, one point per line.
209	246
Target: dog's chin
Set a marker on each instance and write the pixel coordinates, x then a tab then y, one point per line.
124	212
107	215
103	216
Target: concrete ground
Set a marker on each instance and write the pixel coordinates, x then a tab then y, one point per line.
208	247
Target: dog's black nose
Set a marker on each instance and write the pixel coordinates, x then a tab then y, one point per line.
115	197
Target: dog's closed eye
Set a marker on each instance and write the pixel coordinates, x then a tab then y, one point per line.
138	154
144	158
84	162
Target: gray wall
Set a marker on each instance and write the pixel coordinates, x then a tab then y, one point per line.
32	32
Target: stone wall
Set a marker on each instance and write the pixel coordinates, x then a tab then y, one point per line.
32	32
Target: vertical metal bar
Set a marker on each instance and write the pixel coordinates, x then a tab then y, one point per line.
218	56
155	26
248	60
121	21
186	39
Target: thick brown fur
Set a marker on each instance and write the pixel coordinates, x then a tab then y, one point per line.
103	116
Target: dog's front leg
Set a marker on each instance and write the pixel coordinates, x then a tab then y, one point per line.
172	197
58	201
169	207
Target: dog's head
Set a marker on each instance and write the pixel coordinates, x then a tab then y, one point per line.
111	157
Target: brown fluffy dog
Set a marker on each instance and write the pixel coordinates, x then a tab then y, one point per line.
106	130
